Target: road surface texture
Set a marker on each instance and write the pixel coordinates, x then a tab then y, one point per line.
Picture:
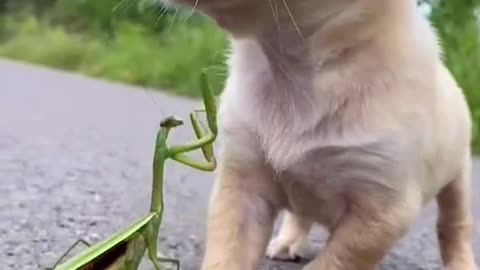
75	162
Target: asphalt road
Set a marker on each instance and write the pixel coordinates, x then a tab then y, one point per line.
75	162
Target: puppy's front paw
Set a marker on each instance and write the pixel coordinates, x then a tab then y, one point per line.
289	249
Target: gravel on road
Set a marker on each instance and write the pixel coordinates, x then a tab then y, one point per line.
75	162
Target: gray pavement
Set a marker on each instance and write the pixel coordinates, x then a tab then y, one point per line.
75	162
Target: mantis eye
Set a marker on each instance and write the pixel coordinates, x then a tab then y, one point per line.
171	122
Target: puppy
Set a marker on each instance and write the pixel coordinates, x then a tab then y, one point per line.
342	113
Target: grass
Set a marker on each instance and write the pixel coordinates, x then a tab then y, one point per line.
169	61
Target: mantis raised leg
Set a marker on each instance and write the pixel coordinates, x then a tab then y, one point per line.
205	138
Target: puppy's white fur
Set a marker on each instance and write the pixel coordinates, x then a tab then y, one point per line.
342	112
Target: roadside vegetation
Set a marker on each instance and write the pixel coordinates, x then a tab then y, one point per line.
140	43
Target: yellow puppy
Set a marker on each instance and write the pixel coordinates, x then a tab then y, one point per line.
342	113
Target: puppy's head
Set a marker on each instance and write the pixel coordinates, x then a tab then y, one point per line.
260	17
255	17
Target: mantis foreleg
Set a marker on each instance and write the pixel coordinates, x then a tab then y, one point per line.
203	166
209	102
205	139
201	131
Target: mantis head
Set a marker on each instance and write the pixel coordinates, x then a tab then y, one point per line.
171	122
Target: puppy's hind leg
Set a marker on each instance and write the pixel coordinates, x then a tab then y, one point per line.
292	241
454	227
374	222
240	220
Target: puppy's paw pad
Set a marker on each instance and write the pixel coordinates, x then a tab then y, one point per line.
288	250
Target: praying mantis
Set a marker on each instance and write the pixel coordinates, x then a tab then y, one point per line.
126	249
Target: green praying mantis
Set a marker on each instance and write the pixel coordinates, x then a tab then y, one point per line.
126	249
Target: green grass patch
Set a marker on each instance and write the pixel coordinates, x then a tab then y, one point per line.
169	61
